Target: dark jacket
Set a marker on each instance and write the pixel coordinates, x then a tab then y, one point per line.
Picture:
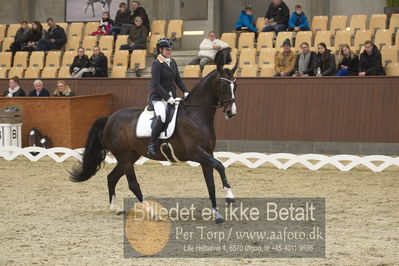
60	94
79	63
371	64
43	93
100	63
21	35
19	93
352	64
280	13
327	68
138	35
58	34
245	21
163	80
310	66
300	21
140	12
123	18
35	36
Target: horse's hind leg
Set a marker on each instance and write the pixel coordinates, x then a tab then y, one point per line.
113	179
128	168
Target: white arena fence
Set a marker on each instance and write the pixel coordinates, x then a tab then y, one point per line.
283	161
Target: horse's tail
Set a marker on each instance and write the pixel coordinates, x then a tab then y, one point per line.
94	153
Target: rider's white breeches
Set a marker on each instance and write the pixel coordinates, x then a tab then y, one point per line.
160	109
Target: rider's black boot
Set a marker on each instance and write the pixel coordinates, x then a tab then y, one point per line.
156	131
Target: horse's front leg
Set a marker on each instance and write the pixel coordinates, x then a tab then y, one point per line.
210	183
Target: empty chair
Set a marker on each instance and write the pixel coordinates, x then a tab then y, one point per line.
265	40
122	39
158	27
90	28
121	58
68	58
282	36
137	59
75	29
6	43
247	57
392	70
5	60
303	36
389	54
342	38
153	42
267	56
378	22
12	30
319	23
208	69
106	43
249	71
192	71
175	29
49	72
338	23
89	42
15	71
21	60
3	28
260	23
394	22
107	54
36	60
72	44
383	37
32	73
360	37
323	36
3	72
53	59
119	72
64	72
267	71
246	40
230	38
358	22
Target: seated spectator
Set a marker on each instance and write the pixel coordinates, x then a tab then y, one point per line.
138	11
325	62
105	25
285	61
298	20
137	37
98	64
208	49
63	90
305	62
54	39
122	17
39	91
370	63
277	17
36	33
246	21
348	63
20	37
80	65
14	90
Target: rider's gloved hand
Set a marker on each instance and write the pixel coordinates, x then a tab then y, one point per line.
171	100
186	95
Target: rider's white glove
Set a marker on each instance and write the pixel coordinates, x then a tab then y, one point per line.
186	95
171	100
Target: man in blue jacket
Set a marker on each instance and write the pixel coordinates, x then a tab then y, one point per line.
246	20
298	20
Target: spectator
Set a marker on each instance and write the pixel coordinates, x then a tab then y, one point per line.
36	33
325	61
98	64
20	37
138	11
298	20
348	63
370	63
246	20
105	25
80	65
63	90
285	61
14	90
277	16
137	37
39	91
305	62
122	17
54	39
208	49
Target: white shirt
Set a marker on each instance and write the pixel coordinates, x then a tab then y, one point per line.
206	47
12	91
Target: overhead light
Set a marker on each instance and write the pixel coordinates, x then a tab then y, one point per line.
193	32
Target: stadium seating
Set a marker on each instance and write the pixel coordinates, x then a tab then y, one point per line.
91	27
64	72
53	59
5	60
342	38
282	36
63	25
158	27
21	60
397	39
338	23
394	22
208	69
175	29
378	22
249	71
265	40
247	57
358	22
153	43
15	71
49	72
108	54
89	42
3	72
121	40
106	43
303	36
383	37
323	36
72	44
319	23
392	69
360	37
192	71
246	40
137	59
32	73
12	30
267	71
6	43
75	30
389	54
267	56
68	57
36	60
3	28
230	38
260	23
119	72
121	58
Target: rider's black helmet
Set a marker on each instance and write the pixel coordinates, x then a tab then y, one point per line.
164	43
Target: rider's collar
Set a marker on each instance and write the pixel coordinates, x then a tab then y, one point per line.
162	59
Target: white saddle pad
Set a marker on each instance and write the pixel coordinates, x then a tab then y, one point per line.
143	129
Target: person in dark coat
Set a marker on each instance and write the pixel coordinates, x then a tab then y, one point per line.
277	16
39	91
348	63
20	37
54	39
165	74
325	62
36	33
137	37
370	63
14	90
138	11
98	64
80	65
298	20
123	16
305	61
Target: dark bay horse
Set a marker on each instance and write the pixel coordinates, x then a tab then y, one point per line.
193	140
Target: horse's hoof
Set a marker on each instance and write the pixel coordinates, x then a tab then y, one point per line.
230	200
120	212
219	220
